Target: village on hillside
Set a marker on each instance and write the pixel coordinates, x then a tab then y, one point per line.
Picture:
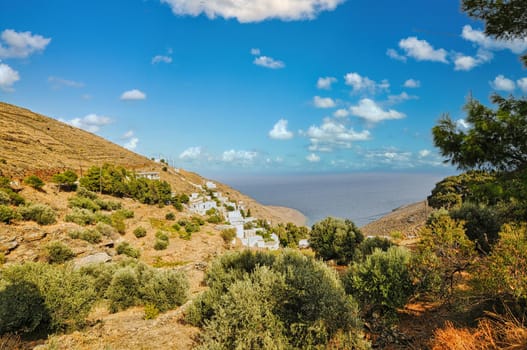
207	199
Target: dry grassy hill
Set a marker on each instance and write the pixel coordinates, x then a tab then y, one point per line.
31	143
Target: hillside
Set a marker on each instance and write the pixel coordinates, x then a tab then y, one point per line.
35	144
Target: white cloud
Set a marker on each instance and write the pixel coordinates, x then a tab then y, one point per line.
332	134
132	95
57	82
412	83
503	84
421	50
129	134
325	83
161	58
268	62
403	96
392	157
313	158
395	55
243	157
373	113
255	52
522	84
8	76
462	124
191	153
253	11
280	132
424	153
91	122
132	141
466	63
360	83
341	113
21	44
323	102
517	45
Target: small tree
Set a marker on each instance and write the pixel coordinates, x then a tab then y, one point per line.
34	181
443	252
58	252
335	239
66	181
382	280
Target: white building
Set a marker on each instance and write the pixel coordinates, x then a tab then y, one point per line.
200	206
151	175
210	185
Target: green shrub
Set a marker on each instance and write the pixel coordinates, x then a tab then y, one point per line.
91	236
4	198
151	312
503	273
228	235
83	192
108	205
105	229
117	222
66	181
123	290
126	249
443	253
83	203
160	244
40	213
382	280
80	217
162	236
335	239
369	245
165	289
482	224
197	220
170	216
140	232
192	227
268	300
67	295
99	217
7	214
176	227
58	252
34	181
22	308
125	213
177	205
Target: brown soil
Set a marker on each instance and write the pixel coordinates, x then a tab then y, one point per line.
407	220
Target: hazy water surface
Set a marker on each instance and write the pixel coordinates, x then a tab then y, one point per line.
359	197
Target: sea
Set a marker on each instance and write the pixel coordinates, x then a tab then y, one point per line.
360	197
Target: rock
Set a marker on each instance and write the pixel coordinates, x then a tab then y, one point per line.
6	247
108	243
97	258
34	235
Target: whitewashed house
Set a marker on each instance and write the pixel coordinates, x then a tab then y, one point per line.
210	185
151	175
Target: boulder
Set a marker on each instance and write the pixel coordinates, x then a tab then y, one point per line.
97	258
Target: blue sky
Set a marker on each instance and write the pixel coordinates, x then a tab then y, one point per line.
261	86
